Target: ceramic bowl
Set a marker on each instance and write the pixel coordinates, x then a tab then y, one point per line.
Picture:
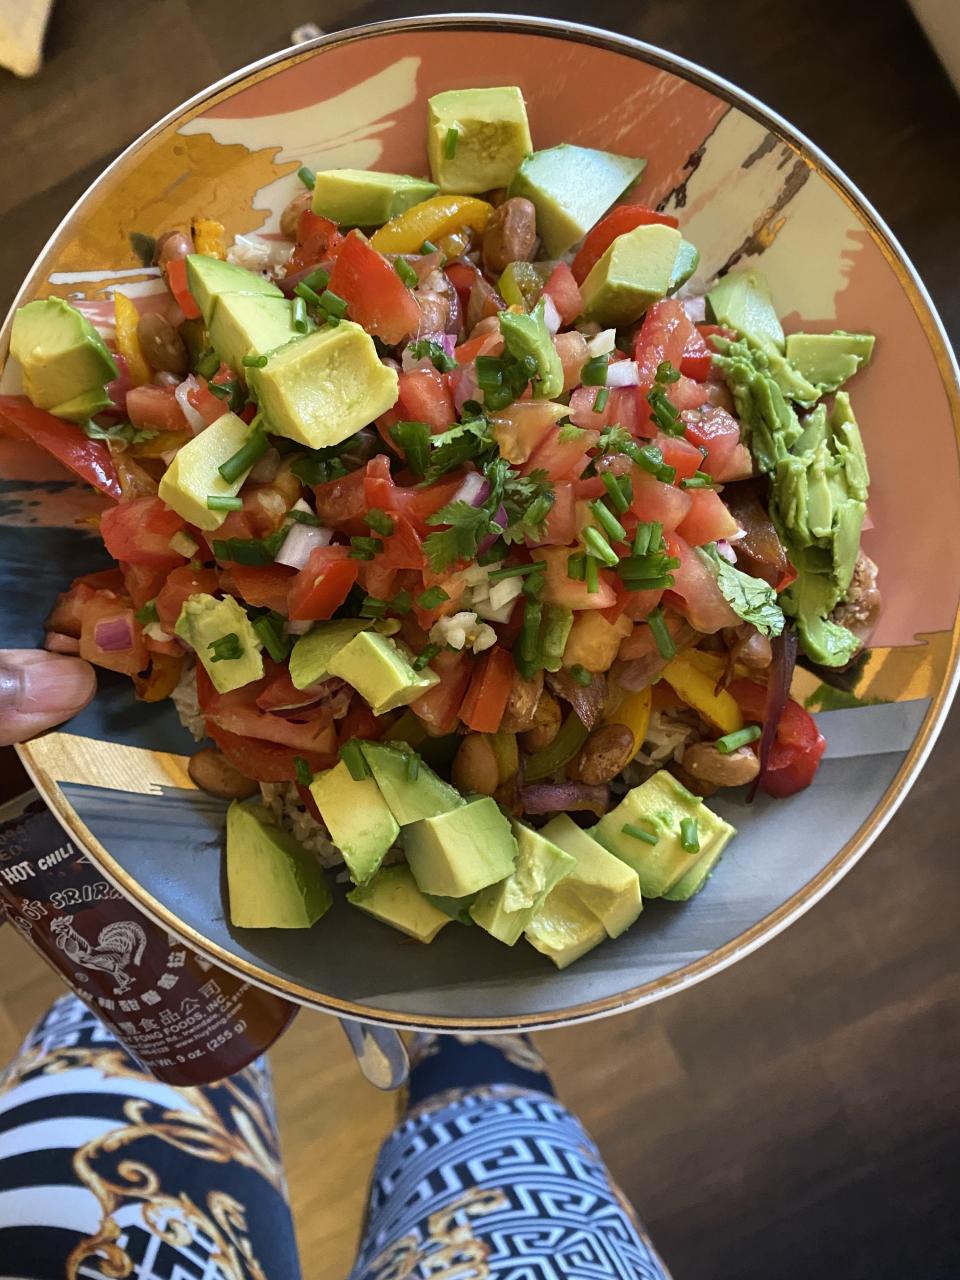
747	189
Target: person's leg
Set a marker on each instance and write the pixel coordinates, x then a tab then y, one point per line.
489	1174
105	1172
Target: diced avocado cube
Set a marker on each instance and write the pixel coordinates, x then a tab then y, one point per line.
684	265
209	277
698	875
455	908
528	335
272	881
741	300
249	324
324	387
411	795
365	198
563	929
311	654
380	672
223	638
505	909
476	138
829	359
635	271
194	474
64	361
357	817
458	852
659	806
571	188
392	897
603	884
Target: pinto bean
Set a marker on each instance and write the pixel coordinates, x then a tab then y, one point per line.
171	246
605	753
511	234
162	346
212	772
521	708
475	765
704	762
290	218
546	725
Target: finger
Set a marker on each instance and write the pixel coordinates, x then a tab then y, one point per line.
39	690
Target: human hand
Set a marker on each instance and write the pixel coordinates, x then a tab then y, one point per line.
39	689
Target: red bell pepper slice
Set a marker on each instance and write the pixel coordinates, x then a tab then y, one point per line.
88	459
177	284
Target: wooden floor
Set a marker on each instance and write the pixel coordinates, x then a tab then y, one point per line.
796	1116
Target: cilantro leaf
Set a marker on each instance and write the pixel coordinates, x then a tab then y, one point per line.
469	441
467	528
123	433
751	599
427	349
527	501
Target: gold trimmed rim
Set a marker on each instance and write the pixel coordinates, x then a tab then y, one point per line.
854	848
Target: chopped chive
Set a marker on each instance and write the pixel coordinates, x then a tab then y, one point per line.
332	322
638	833
303	771
304	517
273	639
689	836
223	502
299	315
528	643
307	177
612	526
619	490
699	480
650	458
424	657
598	546
365	548
648	535
253	362
594	372
591	573
429	247
534	585
401	602
515	571
734	741
661	634
318	279
255	446
432	598
664	412
406	273
222	390
372	607
603	395
308	294
147	613
226	648
208	362
353	757
450	142
666	372
379	521
413	767
333	304
577	567
581	674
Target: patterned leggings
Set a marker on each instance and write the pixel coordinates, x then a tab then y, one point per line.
107	1174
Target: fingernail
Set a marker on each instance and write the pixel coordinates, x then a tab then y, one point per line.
62	684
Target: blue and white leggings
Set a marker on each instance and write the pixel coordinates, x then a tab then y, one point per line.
106	1174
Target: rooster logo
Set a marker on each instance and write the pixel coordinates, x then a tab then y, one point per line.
119	945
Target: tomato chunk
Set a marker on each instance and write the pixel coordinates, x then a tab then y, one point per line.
486	698
376	297
179	586
322	584
625	217
708	519
88	459
139	532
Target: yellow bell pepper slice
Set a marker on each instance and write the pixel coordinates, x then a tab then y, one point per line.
127	317
208	237
693	677
429	220
633	710
161	680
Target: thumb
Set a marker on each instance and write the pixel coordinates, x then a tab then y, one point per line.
39	689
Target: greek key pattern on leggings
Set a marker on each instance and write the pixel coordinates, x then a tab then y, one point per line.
107	1172
500	1182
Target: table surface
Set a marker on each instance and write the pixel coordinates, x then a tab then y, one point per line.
792	1116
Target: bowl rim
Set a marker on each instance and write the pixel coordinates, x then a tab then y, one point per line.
856	846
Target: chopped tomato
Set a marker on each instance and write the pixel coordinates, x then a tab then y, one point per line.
622	409
425	397
680	454
520	427
376	296
663	336
322	584
360	722
438	707
156	408
180	584
463	276
269	761
708	519
403	548
639	604
572	350
176	273
717	432
561	525
697	360
560	588
625	217
562	453
265	586
88	459
686	394
237	712
695	592
799	746
486	697
317	240
487	344
342	502
105	607
143	582
563	289
654	500
280	694
139	532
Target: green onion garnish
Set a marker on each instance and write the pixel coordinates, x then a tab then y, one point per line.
333	304
309	295
591	573
664	412
428	247
365	548
272	638
619	490
661	634
303	771
598	546
223	502
650	458
450	142
594	372
529	640
401	602
147	613
299	315
226	648
515	571
425	656
648	536
304	517
577	567
603	395
413	767
406	273
581	674
353	757
307	177
208	362
372	607
222	390
689	836
255	446
734	741
666	372
379	521
432	598
318	279
253	362
699	480
252	551
638	833
612	526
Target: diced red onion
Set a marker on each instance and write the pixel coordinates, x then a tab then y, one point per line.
114	635
121	384
57	642
475	490
623	373
195	420
559	797
299	542
784	648
551	316
696	308
724	549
